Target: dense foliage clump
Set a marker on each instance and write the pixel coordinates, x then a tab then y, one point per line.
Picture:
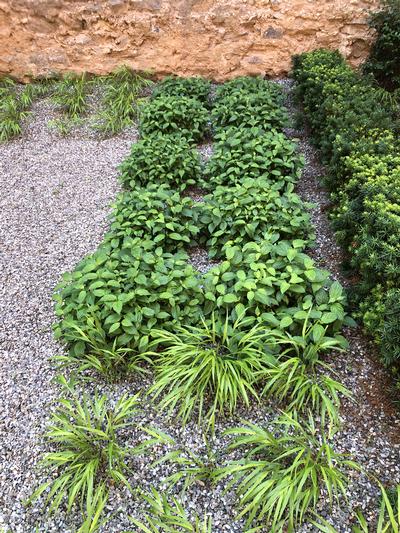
162	160
384	59
169	115
355	126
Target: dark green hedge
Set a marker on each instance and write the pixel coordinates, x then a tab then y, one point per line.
355	128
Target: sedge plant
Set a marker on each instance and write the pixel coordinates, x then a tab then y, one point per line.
280	477
210	368
70	93
87	453
167	515
122	92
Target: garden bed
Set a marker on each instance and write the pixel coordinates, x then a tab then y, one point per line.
56	216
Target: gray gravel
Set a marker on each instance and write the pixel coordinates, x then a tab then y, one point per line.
55	197
53	206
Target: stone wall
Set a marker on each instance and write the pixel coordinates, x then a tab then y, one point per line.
219	39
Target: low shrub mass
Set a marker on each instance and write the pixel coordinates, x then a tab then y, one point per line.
384	61
241	153
167	115
251	210
249	85
155	213
128	290
195	87
277	283
163	160
244	109
354	124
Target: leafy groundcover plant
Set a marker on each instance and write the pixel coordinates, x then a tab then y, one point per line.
249	85
161	160
88	454
278	284
192	87
242	109
168	115
299	375
278	481
129	291
249	211
241	153
208	369
156	213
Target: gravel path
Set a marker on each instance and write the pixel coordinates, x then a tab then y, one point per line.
55	196
54	202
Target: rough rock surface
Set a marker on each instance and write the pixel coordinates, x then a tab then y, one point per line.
219	39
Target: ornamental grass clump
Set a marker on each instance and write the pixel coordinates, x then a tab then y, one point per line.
208	370
166	514
122	92
283	472
88	454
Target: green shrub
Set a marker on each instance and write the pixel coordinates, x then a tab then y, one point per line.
88	453
155	213
278	481
195	87
168	115
249	85
208	369
248	110
122	90
381	314
160	160
248	211
252	153
356	126
384	61
128	291
277	283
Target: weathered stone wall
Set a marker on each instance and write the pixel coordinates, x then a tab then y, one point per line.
214	38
